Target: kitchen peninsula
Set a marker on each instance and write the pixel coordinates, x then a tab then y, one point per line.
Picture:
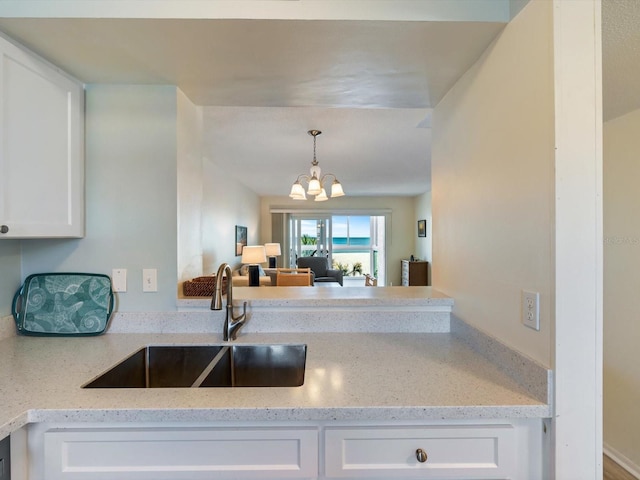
413	382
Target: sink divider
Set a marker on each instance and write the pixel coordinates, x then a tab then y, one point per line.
209	367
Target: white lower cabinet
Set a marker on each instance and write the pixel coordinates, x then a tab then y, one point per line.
462	450
421	452
178	453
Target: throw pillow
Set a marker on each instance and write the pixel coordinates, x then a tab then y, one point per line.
244	270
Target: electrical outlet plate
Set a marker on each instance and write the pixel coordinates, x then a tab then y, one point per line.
531	309
119	279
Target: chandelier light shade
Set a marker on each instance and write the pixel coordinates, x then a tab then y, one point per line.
322	196
315	180
336	189
297	191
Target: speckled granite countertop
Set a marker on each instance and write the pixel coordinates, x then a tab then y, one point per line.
349	376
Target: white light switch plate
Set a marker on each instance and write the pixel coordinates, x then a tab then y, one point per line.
149	280
119	279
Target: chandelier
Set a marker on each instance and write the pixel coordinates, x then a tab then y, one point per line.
315	180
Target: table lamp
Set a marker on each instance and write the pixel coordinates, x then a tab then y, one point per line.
272	250
252	255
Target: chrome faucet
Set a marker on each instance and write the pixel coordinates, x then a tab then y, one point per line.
232	325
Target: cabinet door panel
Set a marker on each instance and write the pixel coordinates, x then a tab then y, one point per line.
41	158
189	453
469	452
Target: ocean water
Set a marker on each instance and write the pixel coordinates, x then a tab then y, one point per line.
352	241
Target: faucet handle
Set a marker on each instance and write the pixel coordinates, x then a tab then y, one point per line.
236	323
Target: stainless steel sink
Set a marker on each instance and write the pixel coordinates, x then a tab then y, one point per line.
233	365
259	366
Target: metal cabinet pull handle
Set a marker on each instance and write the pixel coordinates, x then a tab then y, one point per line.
4	229
421	455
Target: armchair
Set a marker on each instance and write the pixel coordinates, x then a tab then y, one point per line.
320	268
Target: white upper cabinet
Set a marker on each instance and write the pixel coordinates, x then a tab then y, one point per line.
41	148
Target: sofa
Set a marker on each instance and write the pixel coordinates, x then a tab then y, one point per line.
240	277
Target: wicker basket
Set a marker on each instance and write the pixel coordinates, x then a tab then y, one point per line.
200	286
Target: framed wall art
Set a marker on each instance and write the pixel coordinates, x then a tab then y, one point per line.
422	228
241	239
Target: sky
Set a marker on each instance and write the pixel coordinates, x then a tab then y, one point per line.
359	226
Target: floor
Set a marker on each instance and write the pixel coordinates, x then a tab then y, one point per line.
613	471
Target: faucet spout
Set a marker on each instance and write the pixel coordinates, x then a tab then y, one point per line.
232	324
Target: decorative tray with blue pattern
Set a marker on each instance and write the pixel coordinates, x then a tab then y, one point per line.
63	304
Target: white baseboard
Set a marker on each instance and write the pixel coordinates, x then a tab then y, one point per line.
621	460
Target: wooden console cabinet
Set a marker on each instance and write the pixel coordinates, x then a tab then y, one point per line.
415	273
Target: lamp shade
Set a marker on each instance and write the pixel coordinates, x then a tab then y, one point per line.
272	249
253	254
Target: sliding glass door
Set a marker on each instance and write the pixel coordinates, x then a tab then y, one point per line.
357	246
310	237
354	244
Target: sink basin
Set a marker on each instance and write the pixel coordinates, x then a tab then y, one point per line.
236	365
259	366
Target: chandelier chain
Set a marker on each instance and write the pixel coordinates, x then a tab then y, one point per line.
315	161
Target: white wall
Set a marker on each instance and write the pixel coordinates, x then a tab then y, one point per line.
226	203
10	276
190	185
621	282
210	202
424	245
403	222
493	184
130	195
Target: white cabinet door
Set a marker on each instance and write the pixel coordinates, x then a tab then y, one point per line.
41	148
451	452
184	453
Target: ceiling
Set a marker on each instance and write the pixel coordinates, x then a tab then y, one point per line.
369	86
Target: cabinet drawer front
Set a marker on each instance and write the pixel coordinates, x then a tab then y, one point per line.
188	453
469	452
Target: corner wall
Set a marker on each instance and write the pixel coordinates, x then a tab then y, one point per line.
424	245
621	281
10	275
493	184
